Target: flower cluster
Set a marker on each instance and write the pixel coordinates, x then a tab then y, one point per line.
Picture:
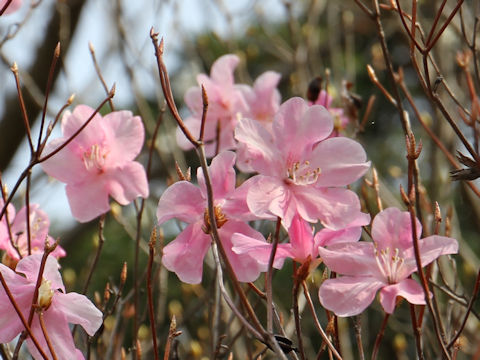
300	175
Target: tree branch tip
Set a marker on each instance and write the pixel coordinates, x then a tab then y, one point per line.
90	47
111	93
57	50
14	67
70	99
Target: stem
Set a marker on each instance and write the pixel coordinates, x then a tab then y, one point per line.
151	311
269	288
45	334
379	338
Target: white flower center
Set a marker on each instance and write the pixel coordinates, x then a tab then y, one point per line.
389	264
94	158
302	173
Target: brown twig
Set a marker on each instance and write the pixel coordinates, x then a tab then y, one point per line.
378	340
151	311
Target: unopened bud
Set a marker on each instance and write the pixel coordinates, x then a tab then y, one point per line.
106	293
45	294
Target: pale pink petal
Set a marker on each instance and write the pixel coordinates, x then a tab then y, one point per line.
348	296
22	291
222	175
407	288
352	233
297	127
341	161
92	134
78	309
124	135
182	200
270	196
88	200
355	259
30	265
185	254
264	98
335	207
236	206
259	151
430	249
392	228
261	250
245	266
222	69
127	182
70	157
59	333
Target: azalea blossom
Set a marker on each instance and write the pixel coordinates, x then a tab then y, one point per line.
12	7
225	102
99	161
300	169
18	245
188	203
384	264
303	244
59	308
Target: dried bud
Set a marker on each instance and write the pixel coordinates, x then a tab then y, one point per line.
106	293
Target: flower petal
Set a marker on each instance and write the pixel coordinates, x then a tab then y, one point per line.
58	332
392	229
341	161
183	201
222	175
245	266
407	288
430	248
258	150
185	254
124	136
127	182
78	309
222	69
92	134
30	265
88	200
70	157
348	296
351	258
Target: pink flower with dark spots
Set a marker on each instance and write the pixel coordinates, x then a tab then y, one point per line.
99	162
188	203
18	243
59	308
383	265
300	169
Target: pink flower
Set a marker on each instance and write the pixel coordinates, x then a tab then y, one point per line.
58	308
188	203
14	6
225	101
99	161
385	265
39	224
300	170
303	244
